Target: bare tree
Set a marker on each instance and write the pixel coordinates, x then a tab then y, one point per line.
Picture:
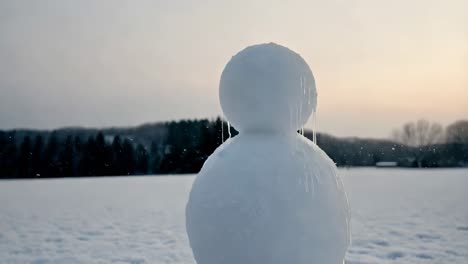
458	132
419	133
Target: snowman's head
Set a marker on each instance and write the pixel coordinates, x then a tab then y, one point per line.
267	88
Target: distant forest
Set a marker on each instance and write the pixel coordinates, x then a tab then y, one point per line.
183	147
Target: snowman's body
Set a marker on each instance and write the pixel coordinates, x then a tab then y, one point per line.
268	197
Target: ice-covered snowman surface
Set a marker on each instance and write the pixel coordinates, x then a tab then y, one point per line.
268	195
267	88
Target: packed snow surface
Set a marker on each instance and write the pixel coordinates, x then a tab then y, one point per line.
398	216
268	198
268	195
267	87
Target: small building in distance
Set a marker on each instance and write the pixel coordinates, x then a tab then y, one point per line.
386	164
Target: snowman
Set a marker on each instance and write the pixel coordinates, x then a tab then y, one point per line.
268	195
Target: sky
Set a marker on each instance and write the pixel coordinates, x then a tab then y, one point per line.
377	64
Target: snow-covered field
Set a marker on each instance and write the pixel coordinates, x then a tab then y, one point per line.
398	216
408	216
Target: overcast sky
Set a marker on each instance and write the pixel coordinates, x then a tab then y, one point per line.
377	64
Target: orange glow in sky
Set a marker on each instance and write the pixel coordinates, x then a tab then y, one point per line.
377	64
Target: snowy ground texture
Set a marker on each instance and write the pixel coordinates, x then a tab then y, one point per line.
398	216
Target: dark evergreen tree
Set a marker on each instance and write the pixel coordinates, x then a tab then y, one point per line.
219	131
142	160
50	157
103	156
8	165
66	158
24	159
155	158
208	139
78	155
3	143
173	151
87	165
37	167
123	157
128	157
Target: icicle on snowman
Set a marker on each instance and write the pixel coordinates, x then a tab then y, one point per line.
268	195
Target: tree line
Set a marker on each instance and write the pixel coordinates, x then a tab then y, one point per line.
183	147
416	144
